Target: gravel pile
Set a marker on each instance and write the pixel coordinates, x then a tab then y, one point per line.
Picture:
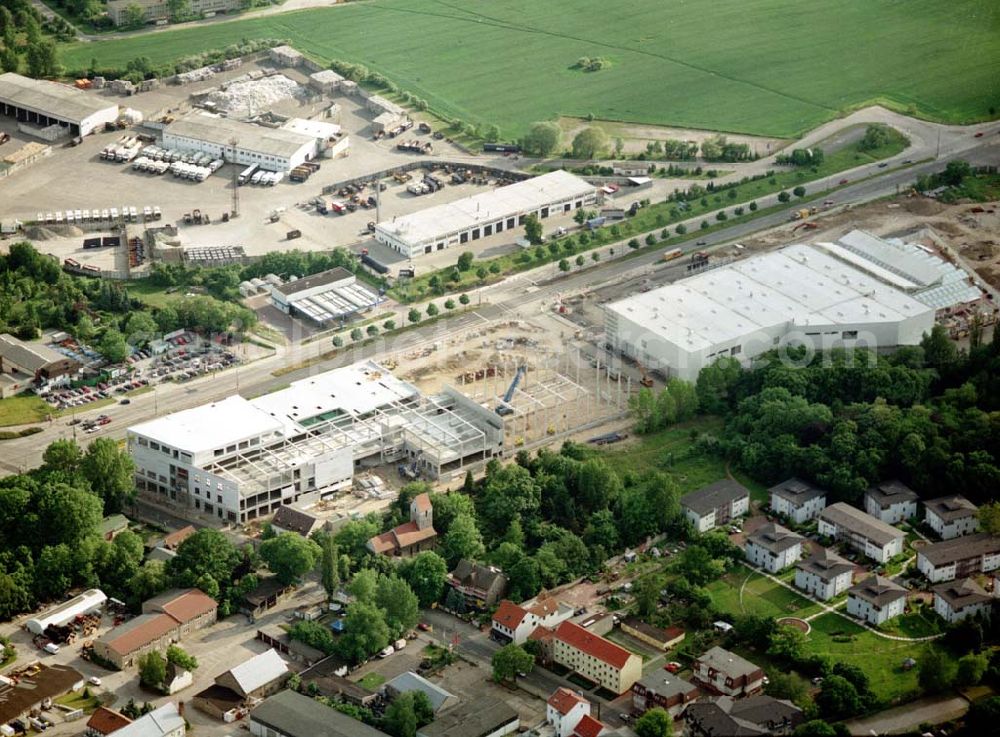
253	97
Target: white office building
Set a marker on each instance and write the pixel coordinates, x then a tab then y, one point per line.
237	459
43	103
273	149
482	215
799	295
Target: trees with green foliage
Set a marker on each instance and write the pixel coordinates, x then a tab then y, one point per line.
541	139
329	565
290	556
402	609
590	143
463	540
533	229
426	573
876	136
820	728
838	698
206	560
656	722
365	632
407	713
152	669
313	634
111	474
510	660
970	670
179	657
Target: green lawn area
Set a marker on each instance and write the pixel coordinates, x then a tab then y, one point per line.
920	623
23	410
761	596
878	657
773	67
153	295
372	681
76	700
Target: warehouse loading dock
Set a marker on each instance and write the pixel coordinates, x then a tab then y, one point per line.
42	103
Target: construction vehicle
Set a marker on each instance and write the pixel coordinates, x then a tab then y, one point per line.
504	408
672	254
646	381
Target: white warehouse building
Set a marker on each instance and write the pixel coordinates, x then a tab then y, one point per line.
88	602
798	295
273	149
45	103
485	214
237	459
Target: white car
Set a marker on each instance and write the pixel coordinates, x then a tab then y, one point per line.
386	652
94	681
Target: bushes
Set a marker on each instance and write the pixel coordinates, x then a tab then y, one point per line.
14	434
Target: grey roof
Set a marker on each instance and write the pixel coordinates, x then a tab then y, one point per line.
766	711
878	590
470	573
729	663
826	564
29	356
712	718
258	671
892	492
961	548
474	719
293	520
713	496
666	684
410	681
156	723
797	491
331	276
295	715
50	98
756	715
960	594
774	538
278	142
951	508
861	523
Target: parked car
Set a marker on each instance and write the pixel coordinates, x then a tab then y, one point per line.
673	667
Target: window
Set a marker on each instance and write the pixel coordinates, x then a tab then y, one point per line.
735	350
475	234
487	230
463	238
849	335
218	498
154	446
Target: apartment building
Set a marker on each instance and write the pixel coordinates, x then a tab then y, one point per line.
958	600
662	689
716	504
595	658
876	600
727	674
862	532
891	501
960	557
773	547
824	575
797	500
951	516
515	623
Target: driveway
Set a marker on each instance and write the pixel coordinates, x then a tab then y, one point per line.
903	719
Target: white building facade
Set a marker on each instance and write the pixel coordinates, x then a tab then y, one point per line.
876	600
797	500
951	517
960	600
892	502
273	149
860	531
564	710
716	504
824	575
43	103
959	557
773	548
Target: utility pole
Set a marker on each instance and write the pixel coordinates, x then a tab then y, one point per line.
234	208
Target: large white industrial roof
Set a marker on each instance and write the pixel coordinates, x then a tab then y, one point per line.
50	98
487	207
209	426
796	287
278	142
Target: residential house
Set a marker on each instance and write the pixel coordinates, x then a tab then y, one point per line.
959	557
595	658
657	637
410	681
662	689
716	504
824	575
410	537
797	500
166	619
482	586
728	674
177	679
727	717
291	714
958	600
104	721
483	717
891	501
290	519
951	516
876	600
166	721
564	710
773	547
591	727
514	623
862	532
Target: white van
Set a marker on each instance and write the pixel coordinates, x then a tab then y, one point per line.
51	648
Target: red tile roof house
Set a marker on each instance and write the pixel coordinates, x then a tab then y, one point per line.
595	658
515	623
104	721
590	727
564	710
410	537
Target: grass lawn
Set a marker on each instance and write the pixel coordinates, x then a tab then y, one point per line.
153	295
761	596
773	67
921	623
372	681
879	658
76	700
23	410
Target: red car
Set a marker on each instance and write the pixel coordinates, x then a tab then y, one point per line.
978	135
843	181
673	667
424	627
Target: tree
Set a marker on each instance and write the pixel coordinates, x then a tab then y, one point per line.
838	698
783	196
111	473
646	591
71	514
983	716
563	265
816	728
140	328
542	138
787	686
113	346
364	585
426	573
580	260
655	723
181	659
357	334
753	206
290	556
939	350
787	643
533	229
207	554
372	330
42	59
876	136
590	143
365	632
407	713
463	540
313	634
449	304
402	610
989	517
716	383
463	299
971	668
152	669
337	341
510	660
389	325
63	456
352	538
799	191
465	261
330	566
413	315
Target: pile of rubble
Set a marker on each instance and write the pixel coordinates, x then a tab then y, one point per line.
246	98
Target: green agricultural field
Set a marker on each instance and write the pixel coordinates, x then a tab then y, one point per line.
770	67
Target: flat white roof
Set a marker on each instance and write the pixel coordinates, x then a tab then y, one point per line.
313	128
797	286
453	217
51	98
220	131
210	426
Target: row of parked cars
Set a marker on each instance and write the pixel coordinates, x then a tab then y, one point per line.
183	365
65	398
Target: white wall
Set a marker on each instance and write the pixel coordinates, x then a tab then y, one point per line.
762	557
823	590
894	513
955	528
862	609
949	615
801	513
